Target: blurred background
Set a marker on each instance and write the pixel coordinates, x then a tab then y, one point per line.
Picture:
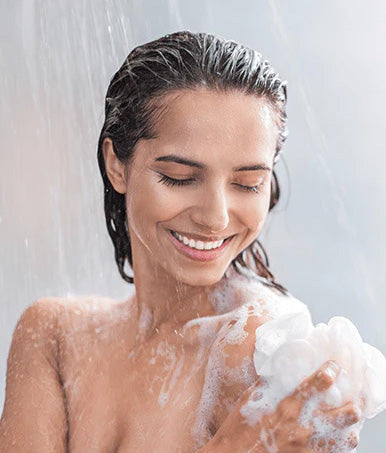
325	240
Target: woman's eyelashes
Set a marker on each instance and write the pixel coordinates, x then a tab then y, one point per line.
183	182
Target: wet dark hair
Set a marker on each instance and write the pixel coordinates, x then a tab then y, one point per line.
181	61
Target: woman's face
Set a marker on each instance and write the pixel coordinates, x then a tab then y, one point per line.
220	146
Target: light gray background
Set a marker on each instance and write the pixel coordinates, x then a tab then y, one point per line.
326	240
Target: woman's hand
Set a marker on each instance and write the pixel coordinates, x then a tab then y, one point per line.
281	431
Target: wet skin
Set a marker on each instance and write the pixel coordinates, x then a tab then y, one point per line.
131	395
221	132
128	376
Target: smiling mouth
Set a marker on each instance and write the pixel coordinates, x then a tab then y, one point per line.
199	250
198	243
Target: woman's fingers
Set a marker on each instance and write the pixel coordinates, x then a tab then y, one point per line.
321	380
343	416
324	445
352	440
346	415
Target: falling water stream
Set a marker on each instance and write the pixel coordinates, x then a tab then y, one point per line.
324	241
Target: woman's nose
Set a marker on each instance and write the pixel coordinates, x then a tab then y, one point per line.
211	210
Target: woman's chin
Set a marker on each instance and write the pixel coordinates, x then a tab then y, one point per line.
200	278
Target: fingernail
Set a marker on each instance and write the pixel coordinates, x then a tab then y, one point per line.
332	368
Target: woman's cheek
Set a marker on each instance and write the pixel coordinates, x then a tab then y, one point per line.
254	214
168	203
157	202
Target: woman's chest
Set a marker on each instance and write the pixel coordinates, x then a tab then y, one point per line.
140	400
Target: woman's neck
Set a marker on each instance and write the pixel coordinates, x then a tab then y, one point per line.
164	303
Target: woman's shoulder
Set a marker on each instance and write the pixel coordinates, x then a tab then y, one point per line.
57	317
249	289
91	309
81	330
77	305
249	303
36	328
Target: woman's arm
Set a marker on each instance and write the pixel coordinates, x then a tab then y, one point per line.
281	426
34	417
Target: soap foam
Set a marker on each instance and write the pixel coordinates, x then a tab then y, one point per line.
235	300
217	371
288	349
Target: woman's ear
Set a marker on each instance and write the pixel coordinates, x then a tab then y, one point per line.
115	169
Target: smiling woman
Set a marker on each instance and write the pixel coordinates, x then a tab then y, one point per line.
205	174
193	129
158	95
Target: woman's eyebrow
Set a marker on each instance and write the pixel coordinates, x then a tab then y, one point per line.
192	163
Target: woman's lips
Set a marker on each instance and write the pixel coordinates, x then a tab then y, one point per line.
200	255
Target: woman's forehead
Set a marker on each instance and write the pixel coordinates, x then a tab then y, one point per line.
207	117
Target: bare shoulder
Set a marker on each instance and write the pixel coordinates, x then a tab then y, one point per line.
232	352
50	343
237	336
74	312
33	389
37	329
42	315
257	303
81	313
91	328
48	320
252	304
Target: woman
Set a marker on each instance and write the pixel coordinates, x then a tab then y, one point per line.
194	126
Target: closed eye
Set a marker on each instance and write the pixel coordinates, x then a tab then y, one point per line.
183	182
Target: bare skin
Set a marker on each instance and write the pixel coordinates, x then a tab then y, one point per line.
106	376
109	395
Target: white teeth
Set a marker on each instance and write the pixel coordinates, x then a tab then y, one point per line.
200	245
208	246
